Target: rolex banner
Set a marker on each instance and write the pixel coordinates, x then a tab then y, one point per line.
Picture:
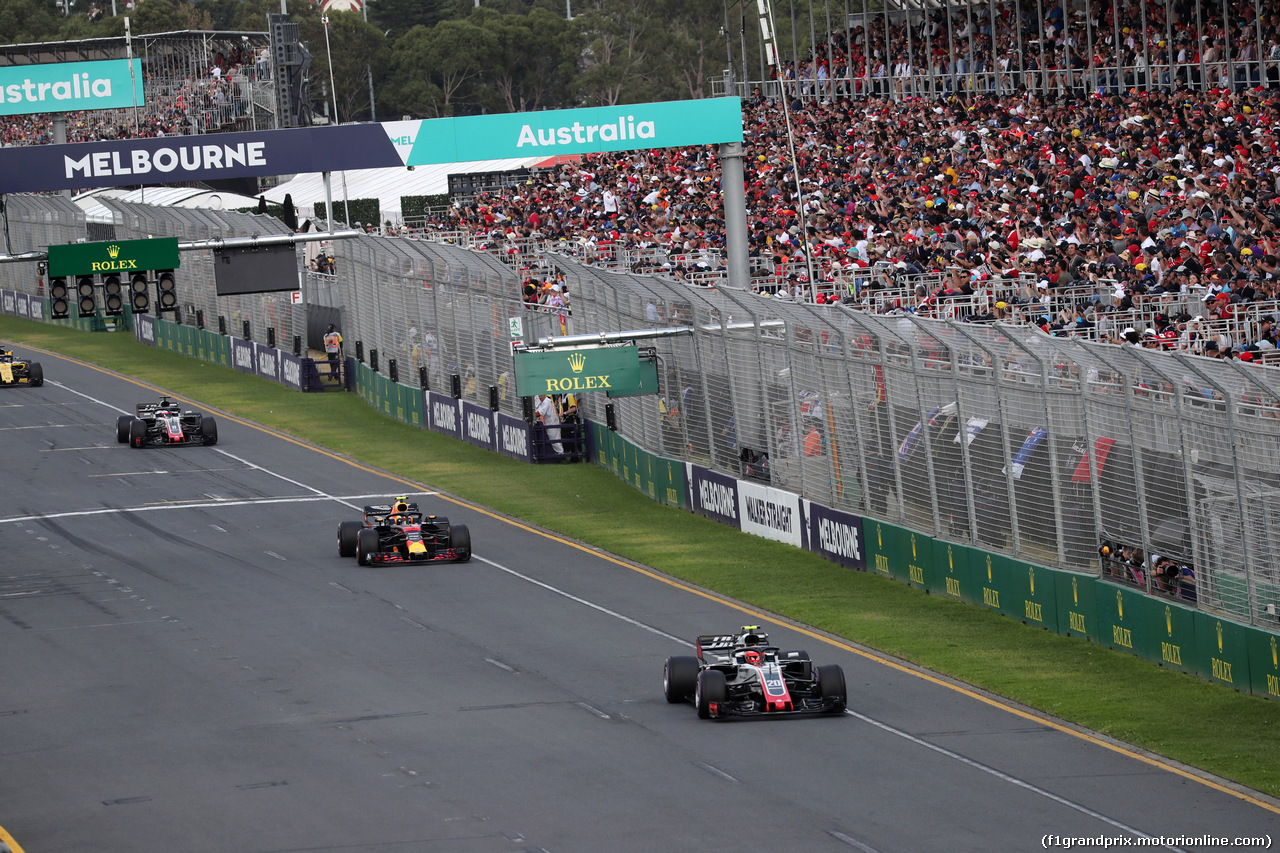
114	256
575	371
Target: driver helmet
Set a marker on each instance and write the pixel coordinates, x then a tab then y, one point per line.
752	657
402	507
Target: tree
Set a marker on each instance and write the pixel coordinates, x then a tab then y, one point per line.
535	61
166	16
397	17
619	56
434	68
358	47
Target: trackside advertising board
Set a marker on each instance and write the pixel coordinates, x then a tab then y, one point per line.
174	159
69	86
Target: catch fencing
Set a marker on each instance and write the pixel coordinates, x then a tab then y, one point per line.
994	435
990	435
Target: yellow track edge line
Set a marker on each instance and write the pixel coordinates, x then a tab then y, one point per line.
6	838
1090	737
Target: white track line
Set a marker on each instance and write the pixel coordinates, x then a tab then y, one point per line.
344	500
977	765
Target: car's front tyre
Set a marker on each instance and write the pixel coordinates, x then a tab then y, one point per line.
122	428
831	688
679	678
367	546
347	533
208	430
712	689
137	433
35	374
460	542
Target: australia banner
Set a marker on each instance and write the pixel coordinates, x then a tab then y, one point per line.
180	159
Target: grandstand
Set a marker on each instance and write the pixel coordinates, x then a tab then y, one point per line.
196	82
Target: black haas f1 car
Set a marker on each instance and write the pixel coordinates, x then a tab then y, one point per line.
17	371
742	675
164	424
400	533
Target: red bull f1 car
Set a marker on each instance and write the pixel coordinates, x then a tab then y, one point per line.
399	532
164	424
739	675
18	371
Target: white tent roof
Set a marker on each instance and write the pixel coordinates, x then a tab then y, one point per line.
94	211
386	185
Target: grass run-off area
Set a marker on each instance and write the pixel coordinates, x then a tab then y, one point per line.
1230	734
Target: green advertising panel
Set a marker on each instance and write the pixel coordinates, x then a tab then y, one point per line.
645	381
1171	636
1222	653
884	549
991	574
1034	591
920	564
61	87
1121	618
114	256
952	561
1077	599
1264	661
575	371
551	133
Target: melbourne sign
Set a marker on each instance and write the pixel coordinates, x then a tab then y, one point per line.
114	256
177	159
577	371
68	86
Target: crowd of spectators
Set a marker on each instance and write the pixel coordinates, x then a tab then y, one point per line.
1075	212
184	95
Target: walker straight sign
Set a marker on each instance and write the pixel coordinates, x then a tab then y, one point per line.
576	371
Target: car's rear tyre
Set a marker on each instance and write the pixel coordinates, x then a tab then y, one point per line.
366	546
347	533
209	429
35	374
137	432
711	689
122	428
460	542
831	688
679	678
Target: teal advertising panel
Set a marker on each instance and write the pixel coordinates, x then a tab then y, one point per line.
64	87
590	130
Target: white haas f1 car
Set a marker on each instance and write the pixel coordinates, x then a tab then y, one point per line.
742	675
164	424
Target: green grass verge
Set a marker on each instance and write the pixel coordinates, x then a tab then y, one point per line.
1179	716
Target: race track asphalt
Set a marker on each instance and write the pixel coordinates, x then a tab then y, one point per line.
187	665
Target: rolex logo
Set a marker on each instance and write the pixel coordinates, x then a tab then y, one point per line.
112	251
577	361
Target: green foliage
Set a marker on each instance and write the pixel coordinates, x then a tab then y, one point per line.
414	206
362	210
358	49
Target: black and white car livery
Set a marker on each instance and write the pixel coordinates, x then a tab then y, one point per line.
743	675
165	424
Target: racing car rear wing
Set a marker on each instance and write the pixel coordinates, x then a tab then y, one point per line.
387	509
